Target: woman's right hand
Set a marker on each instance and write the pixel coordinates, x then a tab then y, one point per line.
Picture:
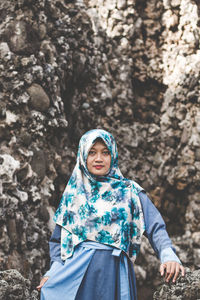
42	282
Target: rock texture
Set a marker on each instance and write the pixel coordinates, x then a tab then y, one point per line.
13	286
185	288
131	67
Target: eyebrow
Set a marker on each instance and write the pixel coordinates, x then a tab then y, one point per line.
105	148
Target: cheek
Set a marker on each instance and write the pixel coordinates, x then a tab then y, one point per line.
108	162
88	162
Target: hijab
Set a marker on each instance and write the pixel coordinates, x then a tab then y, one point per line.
105	209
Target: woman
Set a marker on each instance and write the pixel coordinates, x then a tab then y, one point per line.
99	225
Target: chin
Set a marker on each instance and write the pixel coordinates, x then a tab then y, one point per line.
99	173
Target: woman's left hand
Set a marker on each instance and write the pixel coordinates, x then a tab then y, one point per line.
42	282
171	269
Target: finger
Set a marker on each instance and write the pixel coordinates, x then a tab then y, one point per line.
170	271
39	287
162	269
182	270
176	272
42	282
167	270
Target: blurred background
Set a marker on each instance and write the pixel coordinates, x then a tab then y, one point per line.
128	66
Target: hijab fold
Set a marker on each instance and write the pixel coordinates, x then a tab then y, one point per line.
105	209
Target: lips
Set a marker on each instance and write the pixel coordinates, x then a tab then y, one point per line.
98	167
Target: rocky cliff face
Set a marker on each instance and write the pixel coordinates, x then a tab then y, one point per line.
131	67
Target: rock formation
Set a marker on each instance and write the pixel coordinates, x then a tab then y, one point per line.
185	288
13	286
129	66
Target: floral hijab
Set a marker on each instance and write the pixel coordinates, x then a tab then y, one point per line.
105	209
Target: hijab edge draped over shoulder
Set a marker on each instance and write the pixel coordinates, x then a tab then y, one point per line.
104	209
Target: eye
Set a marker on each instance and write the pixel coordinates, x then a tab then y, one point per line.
91	152
106	152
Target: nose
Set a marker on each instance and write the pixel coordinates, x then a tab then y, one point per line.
98	157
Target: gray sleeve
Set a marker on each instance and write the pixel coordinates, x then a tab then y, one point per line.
155	228
54	245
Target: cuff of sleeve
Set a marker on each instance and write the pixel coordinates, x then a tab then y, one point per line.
168	254
54	266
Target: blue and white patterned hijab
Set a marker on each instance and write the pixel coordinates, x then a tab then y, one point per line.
105	209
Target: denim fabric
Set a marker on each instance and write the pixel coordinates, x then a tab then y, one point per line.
95	271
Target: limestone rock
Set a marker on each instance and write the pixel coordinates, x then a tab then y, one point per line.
14	286
4	50
22	37
8	167
39	99
185	288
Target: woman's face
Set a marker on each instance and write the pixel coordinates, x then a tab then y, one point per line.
99	159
